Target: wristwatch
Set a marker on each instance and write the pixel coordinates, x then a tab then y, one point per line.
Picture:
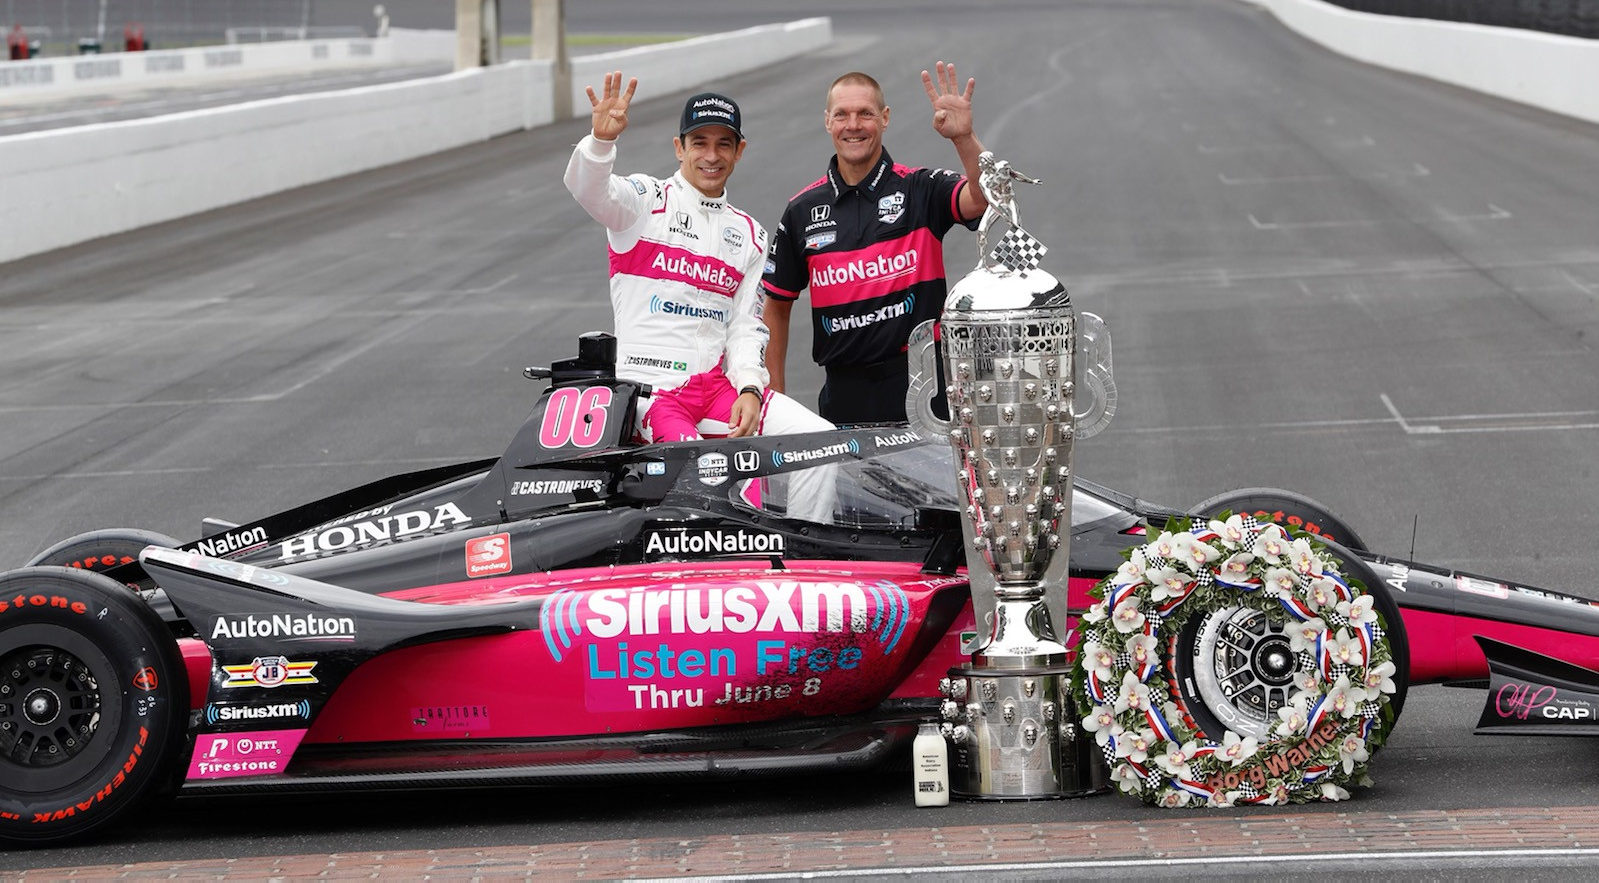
751	389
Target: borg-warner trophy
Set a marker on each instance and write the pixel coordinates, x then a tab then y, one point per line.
1017	361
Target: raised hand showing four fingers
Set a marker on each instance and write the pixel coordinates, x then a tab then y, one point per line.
610	112
952	108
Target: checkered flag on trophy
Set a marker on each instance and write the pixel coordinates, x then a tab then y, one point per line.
1018	250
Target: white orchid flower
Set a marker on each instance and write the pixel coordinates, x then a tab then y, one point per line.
1302	636
1143	649
1359	612
1096	613
1344	699
1347	650
1173	798
1235	569
1126	778
1186	547
1323	594
1102	723
1379	679
1175	761
1127	616
1235	749
1281	582
1271	544
1131	571
1329	791
1231	532
1308	680
1099	659
1164	545
1133	695
1303	558
1222	799
1135	744
1169	582
1352	751
1292	717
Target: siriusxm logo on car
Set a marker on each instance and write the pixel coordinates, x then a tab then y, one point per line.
784	458
892	311
673	308
217	713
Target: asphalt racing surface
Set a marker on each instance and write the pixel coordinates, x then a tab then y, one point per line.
1367	287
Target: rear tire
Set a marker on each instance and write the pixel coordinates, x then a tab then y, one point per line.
94	699
101	550
1291	510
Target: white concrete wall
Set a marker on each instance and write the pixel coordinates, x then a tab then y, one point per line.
1550	71
713	56
62	76
91	181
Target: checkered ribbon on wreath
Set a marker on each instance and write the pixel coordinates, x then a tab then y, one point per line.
1018	250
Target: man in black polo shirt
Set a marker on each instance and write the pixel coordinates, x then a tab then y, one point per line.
867	240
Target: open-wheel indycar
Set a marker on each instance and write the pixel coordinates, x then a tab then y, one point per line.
581	608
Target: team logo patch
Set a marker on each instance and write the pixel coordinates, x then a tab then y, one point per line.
821	213
890	207
269	671
820	240
732	237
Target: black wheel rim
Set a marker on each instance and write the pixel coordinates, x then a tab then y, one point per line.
49	706
61	708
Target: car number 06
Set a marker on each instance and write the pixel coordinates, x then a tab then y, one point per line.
575	417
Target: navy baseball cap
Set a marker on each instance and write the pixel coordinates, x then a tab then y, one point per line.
711	109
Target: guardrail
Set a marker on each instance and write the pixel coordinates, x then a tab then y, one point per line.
53	77
1550	71
91	181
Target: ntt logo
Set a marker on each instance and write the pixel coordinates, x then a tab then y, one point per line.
892	311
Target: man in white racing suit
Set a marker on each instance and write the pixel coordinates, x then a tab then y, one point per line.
685	271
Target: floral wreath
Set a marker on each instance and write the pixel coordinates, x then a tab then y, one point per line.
1337	715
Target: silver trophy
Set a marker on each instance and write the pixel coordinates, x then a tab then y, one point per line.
1012	348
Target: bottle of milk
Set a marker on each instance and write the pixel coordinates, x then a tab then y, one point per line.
931	763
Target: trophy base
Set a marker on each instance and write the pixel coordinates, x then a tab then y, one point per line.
1021	739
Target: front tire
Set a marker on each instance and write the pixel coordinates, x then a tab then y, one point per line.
93	701
1295	512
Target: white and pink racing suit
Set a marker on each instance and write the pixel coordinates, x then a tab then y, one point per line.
685	274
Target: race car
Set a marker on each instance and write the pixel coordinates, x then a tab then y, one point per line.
587	608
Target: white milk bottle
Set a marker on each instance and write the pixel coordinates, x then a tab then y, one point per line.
930	759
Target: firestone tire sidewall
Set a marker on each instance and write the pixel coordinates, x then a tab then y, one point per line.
138	674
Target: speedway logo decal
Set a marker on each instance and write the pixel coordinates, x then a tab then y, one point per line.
661	648
262	753
285	626
487	556
270	672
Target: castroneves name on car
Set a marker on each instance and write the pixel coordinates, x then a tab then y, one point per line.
557	486
386	528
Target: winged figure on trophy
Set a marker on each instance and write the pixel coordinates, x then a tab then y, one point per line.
1017	250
